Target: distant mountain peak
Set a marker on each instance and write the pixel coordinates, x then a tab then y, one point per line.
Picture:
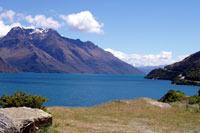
45	50
32	33
16	30
32	30
39	31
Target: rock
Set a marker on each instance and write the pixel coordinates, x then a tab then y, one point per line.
23	119
6	125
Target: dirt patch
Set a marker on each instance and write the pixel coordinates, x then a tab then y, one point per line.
156	103
140	127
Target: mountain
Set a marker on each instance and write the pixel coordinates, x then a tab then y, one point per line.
186	71
5	67
46	51
147	69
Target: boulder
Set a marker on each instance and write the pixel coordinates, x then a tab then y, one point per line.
6	125
23	119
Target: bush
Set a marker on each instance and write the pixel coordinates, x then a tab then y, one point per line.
21	99
173	96
194	99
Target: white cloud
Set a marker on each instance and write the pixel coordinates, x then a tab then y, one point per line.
83	21
43	21
162	58
20	16
8	15
4	29
181	57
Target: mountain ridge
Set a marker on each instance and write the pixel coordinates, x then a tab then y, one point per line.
45	50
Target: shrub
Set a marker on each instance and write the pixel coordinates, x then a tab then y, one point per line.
173	96
21	99
194	99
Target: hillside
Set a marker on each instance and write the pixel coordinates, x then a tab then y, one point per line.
45	51
141	115
186	71
5	67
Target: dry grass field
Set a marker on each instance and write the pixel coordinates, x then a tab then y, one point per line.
141	115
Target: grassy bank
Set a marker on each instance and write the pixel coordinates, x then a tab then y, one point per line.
124	116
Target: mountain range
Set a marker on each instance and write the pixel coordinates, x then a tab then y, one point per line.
46	51
186	71
147	69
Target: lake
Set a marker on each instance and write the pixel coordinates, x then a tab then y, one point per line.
76	90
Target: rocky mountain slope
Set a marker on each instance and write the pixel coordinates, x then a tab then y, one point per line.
5	67
44	50
186	71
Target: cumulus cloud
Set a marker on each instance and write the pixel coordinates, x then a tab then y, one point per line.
83	21
8	15
4	29
10	19
20	16
162	58
181	57
43	21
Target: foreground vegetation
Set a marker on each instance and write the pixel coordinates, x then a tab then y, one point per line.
21	99
178	96
125	116
182	114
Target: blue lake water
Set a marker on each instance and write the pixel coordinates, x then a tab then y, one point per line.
87	90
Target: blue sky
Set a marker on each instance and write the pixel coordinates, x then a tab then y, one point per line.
141	27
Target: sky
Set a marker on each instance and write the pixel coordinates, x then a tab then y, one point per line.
140	32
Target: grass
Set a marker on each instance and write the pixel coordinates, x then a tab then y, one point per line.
124	117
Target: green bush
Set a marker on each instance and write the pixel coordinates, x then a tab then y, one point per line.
21	99
194	99
173	96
